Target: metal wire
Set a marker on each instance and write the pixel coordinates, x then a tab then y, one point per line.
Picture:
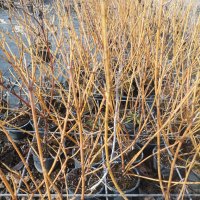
100	195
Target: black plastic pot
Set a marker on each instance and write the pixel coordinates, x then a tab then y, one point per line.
48	155
165	170
134	190
73	175
131	153
151	145
165	167
48	162
194	176
150	187
17	134
148	149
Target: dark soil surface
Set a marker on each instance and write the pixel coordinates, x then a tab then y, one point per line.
74	177
9	158
125	181
19	120
10	162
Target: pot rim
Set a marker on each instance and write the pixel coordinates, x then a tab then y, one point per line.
48	158
141	156
10	128
130	190
36	158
